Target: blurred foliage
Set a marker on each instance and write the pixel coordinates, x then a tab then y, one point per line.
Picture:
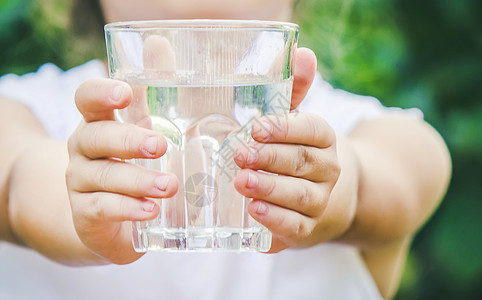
426	54
35	32
408	53
30	34
357	43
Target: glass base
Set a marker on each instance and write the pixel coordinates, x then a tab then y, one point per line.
201	239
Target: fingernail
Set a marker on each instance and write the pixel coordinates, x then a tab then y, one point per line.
150	145
261	208
252	180
117	93
148	206
162	182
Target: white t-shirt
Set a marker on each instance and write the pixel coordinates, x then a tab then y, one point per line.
325	271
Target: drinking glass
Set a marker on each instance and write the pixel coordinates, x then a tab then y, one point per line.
202	84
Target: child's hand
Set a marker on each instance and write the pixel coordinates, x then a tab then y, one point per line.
104	191
301	150
296	206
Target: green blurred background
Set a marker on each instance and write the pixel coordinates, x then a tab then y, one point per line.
407	53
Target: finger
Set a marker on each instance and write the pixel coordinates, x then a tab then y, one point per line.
123	178
303	196
96	99
108	207
114	139
287	226
158	55
295	128
109	240
305	162
304	69
158	58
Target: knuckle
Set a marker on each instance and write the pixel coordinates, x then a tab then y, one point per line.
281	222
140	180
123	207
270	187
320	130
90	139
285	127
320	201
313	126
127	142
303	230
303	157
332	168
95	210
323	166
103	174
273	156
132	141
304	197
298	232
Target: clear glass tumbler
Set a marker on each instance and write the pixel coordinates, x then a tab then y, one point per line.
202	84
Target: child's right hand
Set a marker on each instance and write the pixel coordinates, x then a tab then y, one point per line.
104	191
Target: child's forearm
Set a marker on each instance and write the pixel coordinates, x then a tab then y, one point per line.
34	207
40	213
404	170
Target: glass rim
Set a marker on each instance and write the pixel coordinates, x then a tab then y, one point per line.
200	24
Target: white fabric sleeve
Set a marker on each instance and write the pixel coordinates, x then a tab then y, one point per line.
49	94
344	110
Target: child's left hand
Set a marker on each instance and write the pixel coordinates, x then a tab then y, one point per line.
299	204
295	205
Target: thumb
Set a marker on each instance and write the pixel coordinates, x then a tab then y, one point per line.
97	98
304	69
